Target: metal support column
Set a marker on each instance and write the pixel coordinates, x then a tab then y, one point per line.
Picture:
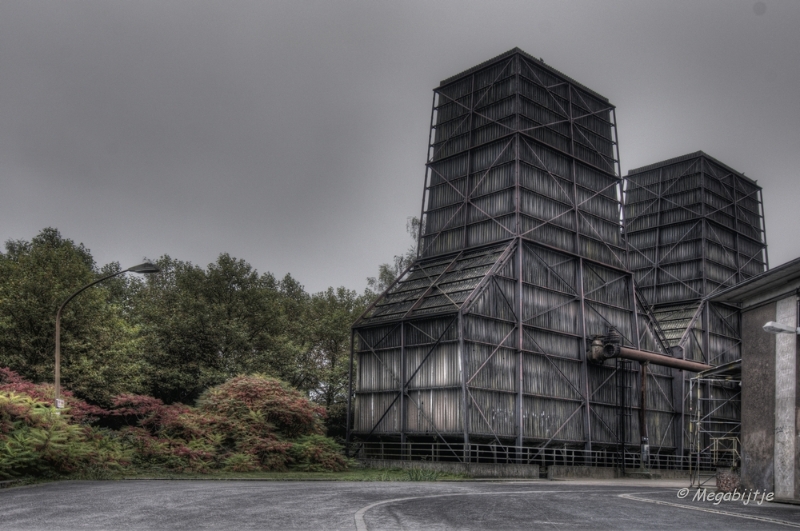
520	371
349	395
462	367
587	424
644	438
402	388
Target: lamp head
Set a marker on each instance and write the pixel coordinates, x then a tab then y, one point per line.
776	328
145	268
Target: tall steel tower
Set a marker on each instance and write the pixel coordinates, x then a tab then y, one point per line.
695	226
521	261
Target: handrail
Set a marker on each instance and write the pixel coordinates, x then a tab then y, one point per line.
542	456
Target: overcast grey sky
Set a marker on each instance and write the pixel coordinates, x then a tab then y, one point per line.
293	134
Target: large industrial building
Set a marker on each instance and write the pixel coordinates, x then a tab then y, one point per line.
529	263
694	226
521	262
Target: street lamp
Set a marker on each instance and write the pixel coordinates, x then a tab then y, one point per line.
776	328
145	268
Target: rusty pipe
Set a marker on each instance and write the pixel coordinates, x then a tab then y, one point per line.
659	359
609	346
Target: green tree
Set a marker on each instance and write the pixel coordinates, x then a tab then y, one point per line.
99	347
388	273
330	316
202	327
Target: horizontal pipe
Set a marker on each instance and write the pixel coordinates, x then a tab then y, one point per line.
659	359
605	347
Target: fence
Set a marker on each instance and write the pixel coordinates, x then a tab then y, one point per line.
491	453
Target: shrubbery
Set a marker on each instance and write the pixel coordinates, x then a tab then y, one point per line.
248	423
36	441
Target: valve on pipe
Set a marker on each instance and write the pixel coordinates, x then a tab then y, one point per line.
610	346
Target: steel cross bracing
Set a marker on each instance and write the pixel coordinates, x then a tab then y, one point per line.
657	267
530	324
670	206
729	198
503	308
568	115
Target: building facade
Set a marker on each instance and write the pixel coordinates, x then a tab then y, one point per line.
521	261
770	429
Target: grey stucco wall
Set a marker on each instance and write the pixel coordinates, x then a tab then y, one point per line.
785	400
797	435
758	399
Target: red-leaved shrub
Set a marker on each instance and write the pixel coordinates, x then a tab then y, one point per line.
79	410
258	398
245	424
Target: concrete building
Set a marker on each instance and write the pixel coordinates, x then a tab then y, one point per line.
770	431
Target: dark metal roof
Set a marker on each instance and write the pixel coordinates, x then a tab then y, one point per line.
433	286
690	156
528	56
775	277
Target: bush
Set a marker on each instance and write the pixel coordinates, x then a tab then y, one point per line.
36	441
240	463
259	399
80	410
315	453
248	423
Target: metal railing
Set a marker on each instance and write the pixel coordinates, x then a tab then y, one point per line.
547	456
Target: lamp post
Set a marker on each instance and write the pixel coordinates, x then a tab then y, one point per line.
777	328
145	268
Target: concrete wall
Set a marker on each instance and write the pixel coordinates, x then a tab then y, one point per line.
758	399
475	470
771	400
574	472
786	401
592	472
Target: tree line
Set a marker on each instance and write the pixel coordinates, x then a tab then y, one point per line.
173	334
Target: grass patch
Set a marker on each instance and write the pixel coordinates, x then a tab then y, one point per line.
354	474
420	474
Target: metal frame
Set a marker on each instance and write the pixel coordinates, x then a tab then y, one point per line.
687	211
520	340
715	403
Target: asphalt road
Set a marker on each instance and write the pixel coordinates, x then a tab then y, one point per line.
370	506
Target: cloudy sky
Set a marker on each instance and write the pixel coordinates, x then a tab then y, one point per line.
293	134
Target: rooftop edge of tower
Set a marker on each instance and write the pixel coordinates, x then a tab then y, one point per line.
528	56
690	156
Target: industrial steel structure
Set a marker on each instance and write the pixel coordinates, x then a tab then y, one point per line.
694	227
715	397
521	262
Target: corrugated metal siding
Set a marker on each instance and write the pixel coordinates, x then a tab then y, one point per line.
543	419
516	127
521	259
429	411
694	226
